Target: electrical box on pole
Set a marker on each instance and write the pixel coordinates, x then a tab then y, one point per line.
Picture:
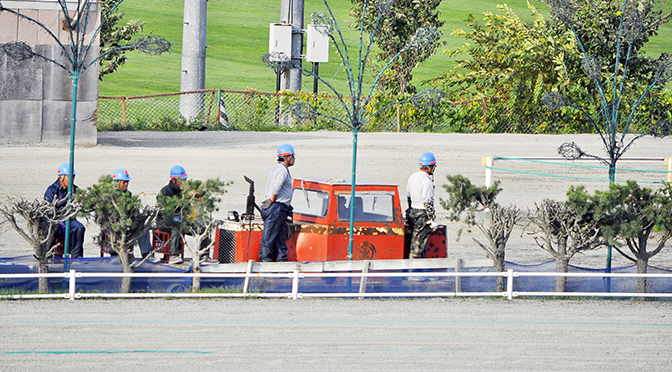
317	49
280	39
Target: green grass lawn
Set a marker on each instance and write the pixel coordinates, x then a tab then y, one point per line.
238	37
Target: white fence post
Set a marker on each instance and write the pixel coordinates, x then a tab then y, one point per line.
295	284
509	284
488	161
246	283
71	287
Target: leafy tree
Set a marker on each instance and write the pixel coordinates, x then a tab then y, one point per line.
74	53
564	232
615	79
356	103
114	36
628	217
468	202
37	222
194	210
122	220
515	60
597	25
393	32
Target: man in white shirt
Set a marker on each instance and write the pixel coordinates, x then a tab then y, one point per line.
277	207
420	195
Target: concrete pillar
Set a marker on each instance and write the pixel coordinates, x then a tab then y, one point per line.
193	57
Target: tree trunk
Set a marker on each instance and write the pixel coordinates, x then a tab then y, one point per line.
500	267
126	260
561	281
642	265
196	264
43	268
196	282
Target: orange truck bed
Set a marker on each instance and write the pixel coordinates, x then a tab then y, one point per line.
320	230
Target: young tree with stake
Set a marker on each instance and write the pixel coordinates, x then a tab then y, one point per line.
360	94
78	51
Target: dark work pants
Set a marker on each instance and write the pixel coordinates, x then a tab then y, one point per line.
77	231
175	246
274	237
175	235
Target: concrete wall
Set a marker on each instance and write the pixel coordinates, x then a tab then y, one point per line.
36	94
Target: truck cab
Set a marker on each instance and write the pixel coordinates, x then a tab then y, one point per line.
320	227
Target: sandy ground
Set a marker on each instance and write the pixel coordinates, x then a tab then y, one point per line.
335	335
383	157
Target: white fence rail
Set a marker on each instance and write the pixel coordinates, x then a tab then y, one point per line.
489	163
296	277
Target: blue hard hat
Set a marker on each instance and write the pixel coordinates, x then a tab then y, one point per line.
64	170
120	174
285	150
178	172
427	159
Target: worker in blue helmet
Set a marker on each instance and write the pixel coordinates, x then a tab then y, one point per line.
277	207
174	189
420	215
175	227
58	192
121	178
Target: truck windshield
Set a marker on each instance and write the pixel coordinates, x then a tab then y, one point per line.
372	206
310	202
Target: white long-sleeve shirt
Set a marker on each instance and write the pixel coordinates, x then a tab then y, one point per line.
420	189
280	184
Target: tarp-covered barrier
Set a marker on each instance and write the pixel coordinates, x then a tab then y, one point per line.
447	284
28	264
430	283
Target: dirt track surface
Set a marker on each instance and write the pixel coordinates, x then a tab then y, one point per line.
382	157
335	335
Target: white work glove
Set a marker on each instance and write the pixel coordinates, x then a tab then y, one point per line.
433	225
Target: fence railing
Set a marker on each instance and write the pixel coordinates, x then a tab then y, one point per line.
489	163
297	276
253	110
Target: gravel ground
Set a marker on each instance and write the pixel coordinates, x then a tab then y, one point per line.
383	157
335	335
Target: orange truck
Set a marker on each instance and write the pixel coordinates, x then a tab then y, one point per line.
320	227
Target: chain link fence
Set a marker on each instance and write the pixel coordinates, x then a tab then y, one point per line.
213	109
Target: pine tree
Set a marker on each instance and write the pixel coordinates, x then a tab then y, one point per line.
192	213
122	220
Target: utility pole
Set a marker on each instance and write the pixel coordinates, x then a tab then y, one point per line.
291	12
193	57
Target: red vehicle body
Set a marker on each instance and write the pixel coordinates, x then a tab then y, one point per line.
320	228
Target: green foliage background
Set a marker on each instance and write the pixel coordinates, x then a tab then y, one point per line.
238	37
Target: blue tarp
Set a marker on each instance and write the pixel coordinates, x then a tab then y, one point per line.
27	264
468	284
